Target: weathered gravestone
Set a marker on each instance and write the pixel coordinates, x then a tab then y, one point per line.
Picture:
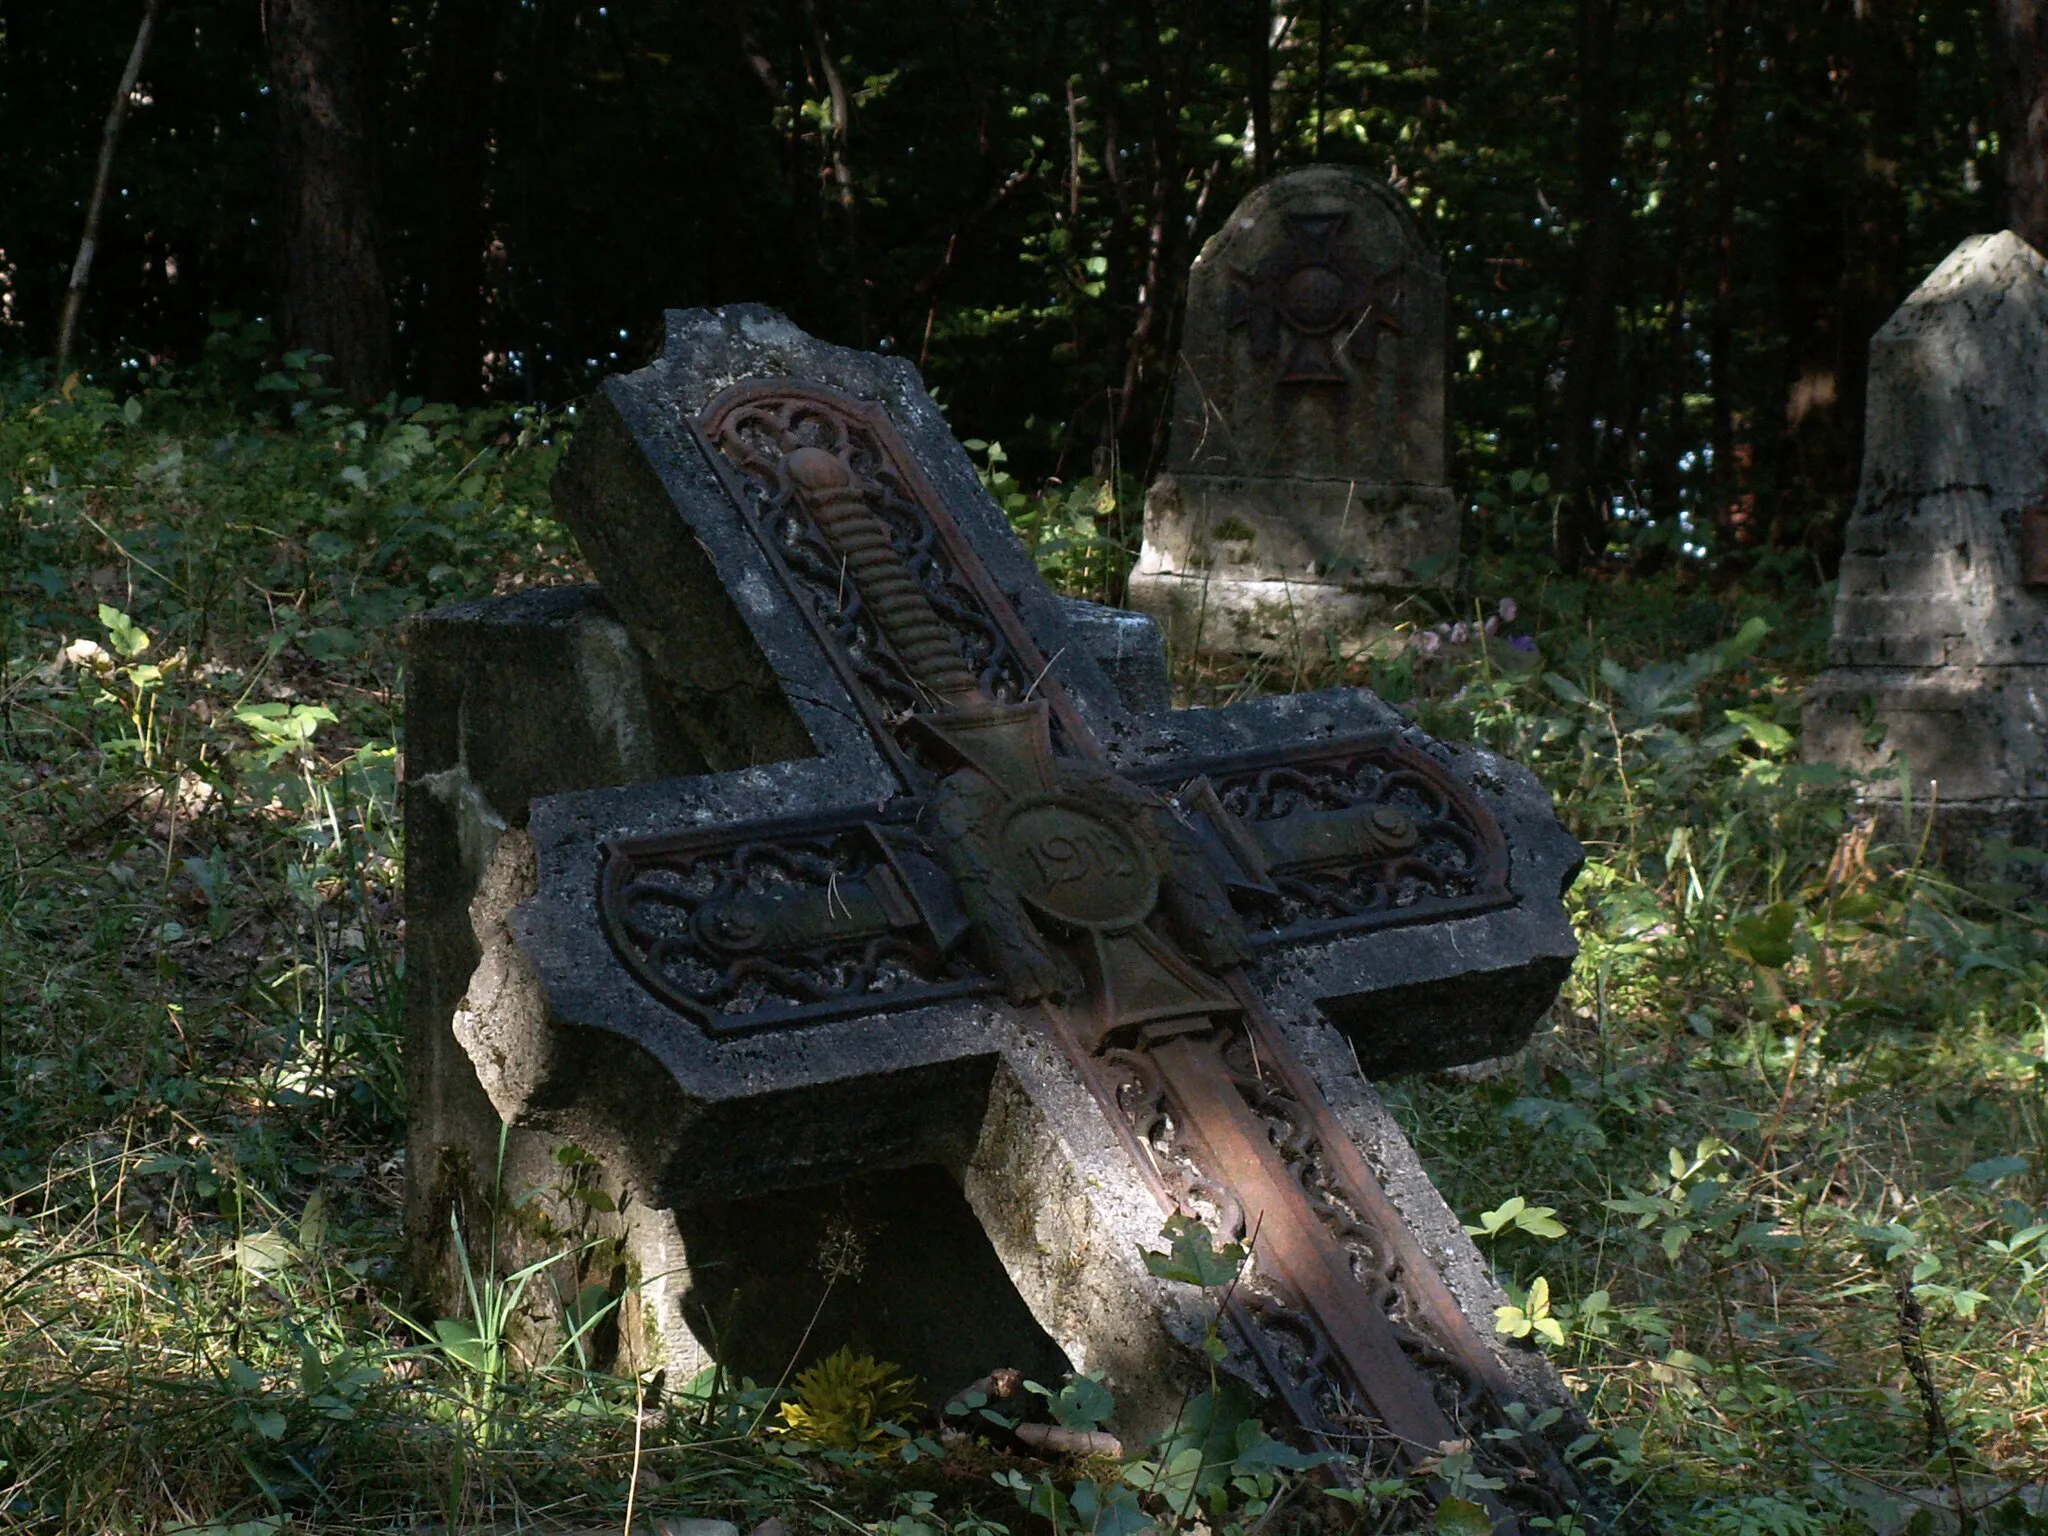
1305	485
1939	664
945	901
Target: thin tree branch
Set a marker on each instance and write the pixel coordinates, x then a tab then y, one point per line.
842	159
81	269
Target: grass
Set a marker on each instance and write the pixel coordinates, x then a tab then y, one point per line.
1778	1150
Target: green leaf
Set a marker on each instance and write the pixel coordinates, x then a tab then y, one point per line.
1744	640
460	1341
1992	1169
1764	1237
1767	734
1111	1511
1966	1302
313	1222
1083	1403
1765	938
263	1254
1194	1259
327	642
1564	688
1262	1450
128	639
282	726
1516	1214
1461	1517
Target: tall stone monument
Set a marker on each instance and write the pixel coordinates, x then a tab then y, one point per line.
1305	485
1938	673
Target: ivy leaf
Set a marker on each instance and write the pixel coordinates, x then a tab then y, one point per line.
1083	1403
1194	1258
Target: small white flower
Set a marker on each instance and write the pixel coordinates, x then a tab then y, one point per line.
1459	633
1428	641
89	655
1508	610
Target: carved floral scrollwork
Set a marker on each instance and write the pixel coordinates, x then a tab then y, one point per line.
793	925
759	428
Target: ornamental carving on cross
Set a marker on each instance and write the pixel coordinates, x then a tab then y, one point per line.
1312	298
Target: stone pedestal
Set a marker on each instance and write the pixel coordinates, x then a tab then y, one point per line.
544	692
1938	672
1304	489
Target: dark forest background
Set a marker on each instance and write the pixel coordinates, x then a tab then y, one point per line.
1670	226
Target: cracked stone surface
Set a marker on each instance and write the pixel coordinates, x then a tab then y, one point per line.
1938	668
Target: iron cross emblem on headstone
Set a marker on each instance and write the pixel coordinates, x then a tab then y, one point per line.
998	922
1320	296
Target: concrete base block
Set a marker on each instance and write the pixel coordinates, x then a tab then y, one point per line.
1287	567
1962	747
544	692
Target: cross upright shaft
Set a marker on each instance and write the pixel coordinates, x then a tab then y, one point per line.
1065	870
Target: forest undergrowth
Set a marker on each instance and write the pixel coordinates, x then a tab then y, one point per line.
1768	1186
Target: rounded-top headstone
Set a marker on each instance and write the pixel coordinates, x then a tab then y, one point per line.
1305	479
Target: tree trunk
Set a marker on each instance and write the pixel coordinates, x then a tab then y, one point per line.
1259	84
2019	62
456	102
840	145
1730	512
1582	525
1167	100
335	301
1885	93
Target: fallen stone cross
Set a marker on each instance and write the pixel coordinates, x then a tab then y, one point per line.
944	899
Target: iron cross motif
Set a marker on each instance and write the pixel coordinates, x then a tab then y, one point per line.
1317	297
1128	911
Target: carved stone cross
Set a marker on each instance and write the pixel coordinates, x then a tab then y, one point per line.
949	901
1314	289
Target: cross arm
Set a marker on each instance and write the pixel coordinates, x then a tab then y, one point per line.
1406	890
